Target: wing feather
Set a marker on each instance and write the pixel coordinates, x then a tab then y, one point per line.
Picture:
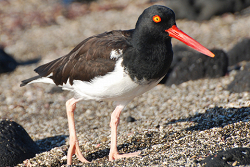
88	59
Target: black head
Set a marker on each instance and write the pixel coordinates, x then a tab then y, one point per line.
157	24
155	20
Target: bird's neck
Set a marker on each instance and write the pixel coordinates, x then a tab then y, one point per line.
150	58
151	44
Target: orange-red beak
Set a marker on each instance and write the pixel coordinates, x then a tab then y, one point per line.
175	32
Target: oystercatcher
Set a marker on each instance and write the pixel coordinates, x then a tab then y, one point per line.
116	66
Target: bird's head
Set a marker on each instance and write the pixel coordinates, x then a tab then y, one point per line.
159	22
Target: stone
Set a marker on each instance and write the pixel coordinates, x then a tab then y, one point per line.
231	157
15	144
241	82
190	65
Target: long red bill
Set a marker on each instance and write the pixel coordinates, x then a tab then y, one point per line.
175	32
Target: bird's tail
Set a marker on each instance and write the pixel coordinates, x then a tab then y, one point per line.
26	81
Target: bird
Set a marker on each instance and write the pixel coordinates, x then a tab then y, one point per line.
116	66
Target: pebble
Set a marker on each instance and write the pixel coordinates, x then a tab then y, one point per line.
130	119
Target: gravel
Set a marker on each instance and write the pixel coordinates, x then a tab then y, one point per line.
174	126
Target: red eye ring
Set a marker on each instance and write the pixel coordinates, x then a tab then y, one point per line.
157	18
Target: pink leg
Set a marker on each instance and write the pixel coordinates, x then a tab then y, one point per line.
73	142
115	118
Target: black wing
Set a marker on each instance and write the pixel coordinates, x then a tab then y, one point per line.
88	59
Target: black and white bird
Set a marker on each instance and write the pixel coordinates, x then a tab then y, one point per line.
116	66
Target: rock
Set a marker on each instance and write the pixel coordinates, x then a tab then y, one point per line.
182	9
7	63
208	9
130	119
240	52
190	65
231	157
15	144
241	82
204	9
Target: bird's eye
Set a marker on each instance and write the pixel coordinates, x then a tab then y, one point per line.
157	19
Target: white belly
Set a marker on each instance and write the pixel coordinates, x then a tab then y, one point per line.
115	86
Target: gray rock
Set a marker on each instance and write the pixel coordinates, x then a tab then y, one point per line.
241	82
189	65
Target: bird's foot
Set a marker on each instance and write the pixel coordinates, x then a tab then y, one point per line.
75	149
116	155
